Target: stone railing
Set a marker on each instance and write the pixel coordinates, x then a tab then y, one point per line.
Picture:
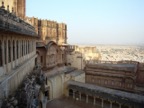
12	23
70	48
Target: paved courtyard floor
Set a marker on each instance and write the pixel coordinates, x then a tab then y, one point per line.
69	103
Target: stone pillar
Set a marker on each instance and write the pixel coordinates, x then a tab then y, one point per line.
86	98
94	101
80	96
110	104
44	102
102	103
73	94
119	105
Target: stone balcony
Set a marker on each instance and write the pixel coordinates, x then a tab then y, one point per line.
10	23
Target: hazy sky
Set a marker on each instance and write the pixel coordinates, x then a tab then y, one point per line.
94	21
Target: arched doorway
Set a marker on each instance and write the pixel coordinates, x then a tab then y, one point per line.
40	106
36	59
58	87
50	91
70	93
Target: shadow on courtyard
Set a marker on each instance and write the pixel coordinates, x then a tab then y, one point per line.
69	103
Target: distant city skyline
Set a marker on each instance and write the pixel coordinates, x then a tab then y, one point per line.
94	21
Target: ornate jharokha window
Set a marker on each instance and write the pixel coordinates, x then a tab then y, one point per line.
0	53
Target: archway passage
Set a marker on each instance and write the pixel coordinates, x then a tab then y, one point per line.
106	103
35	61
50	90
91	99
77	94
83	97
124	106
58	87
47	94
115	105
70	93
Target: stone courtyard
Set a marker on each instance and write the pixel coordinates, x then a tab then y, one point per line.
69	103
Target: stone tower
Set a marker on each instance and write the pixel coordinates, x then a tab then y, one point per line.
17	6
20	8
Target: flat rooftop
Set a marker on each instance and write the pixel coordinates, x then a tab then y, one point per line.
120	66
75	72
117	65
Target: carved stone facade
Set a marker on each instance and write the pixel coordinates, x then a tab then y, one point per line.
49	30
122	76
49	55
77	56
15	6
62	33
17	52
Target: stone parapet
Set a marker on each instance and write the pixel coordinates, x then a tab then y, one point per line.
9	22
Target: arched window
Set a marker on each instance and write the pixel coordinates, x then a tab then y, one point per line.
13	50
17	49
28	47
5	51
32	47
9	51
22	48
0	53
